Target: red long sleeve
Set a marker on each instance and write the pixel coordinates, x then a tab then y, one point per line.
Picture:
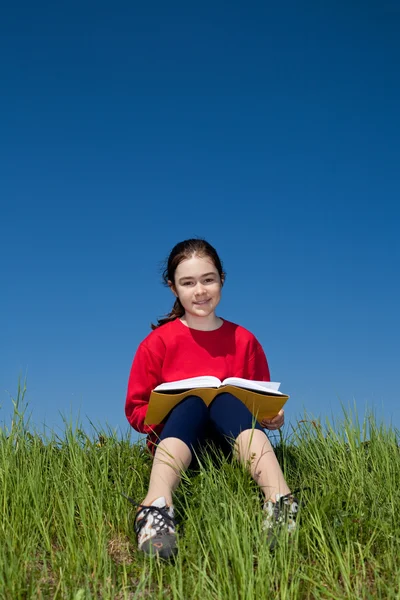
174	351
257	368
144	377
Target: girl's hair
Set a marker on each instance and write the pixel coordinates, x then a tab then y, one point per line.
182	251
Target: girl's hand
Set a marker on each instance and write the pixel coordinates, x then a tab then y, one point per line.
276	422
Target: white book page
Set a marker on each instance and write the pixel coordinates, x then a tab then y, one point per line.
204	381
262	386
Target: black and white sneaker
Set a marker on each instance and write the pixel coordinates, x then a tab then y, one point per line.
155	529
280	515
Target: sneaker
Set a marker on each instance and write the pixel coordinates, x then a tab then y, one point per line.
279	515
155	529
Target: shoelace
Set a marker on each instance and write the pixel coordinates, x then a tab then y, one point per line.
293	504
289	500
286	504
162	520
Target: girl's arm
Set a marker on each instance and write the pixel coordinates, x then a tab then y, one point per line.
259	371
257	366
145	375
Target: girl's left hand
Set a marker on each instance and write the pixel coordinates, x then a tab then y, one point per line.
276	422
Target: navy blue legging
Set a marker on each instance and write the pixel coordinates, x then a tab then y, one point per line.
220	423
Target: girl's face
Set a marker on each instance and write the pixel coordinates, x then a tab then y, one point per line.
197	285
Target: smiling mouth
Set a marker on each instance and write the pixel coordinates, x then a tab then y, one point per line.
202	302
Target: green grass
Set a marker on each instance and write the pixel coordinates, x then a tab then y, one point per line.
66	530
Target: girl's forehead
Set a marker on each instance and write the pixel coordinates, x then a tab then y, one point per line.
196	265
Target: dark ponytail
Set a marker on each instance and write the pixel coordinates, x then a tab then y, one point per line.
176	313
183	251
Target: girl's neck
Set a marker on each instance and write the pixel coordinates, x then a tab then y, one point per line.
209	323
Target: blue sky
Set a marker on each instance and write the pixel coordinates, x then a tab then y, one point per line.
270	129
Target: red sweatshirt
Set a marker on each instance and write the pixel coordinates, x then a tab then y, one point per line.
175	351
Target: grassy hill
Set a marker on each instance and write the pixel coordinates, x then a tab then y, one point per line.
66	531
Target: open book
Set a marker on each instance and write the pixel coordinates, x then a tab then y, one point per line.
263	398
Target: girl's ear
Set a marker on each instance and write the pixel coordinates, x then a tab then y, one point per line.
222	279
172	288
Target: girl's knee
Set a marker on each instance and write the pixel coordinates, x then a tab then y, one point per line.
174	452
231	416
253	433
196	404
190	409
254	441
187	421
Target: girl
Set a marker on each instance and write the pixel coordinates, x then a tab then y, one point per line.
192	341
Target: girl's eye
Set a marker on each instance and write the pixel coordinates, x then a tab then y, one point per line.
187	283
209	280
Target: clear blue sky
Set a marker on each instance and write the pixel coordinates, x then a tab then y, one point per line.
270	129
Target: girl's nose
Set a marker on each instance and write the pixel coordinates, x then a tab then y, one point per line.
199	289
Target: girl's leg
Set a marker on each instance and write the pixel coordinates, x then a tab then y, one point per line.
233	420
171	458
254	448
154	523
185	425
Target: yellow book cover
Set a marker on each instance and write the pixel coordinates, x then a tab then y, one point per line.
263	398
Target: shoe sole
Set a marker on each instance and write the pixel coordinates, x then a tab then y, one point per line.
163	546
